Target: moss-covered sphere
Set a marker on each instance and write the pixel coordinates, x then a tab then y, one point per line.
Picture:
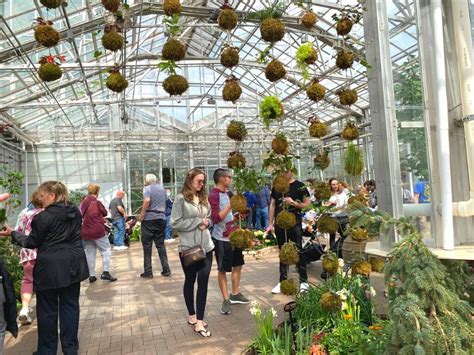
344	59
51	4
311	59
361	267
348	97
116	82
238	203
359	234
285	220
280	144
272	29
111	5
281	184
231	91
344	26
327	224
46	35
321	161
230	57
330	263
289	287
173	50
275	70
240	239
50	72
172	7
236	130
377	264
318	129
350	132
175	85
309	20
236	161
322	190
330	302
227	19
316	92
112	41
289	254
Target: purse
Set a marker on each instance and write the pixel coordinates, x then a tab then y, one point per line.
193	255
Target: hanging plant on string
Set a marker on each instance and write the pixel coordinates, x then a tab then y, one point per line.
317	128
172	7
308	20
275	70
112	38
272	28
347	97
353	160
344	59
232	89
227	19
173	49
229	56
236	130
116	81
315	91
322	161
51	4
174	84
50	69
348	16
350	131
306	55
271	109
45	33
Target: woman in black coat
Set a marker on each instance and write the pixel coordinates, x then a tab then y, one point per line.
60	267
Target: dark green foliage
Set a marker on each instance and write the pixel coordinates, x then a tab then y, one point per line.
76	196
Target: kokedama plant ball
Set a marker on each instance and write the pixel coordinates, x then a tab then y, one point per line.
361	268
238	203
328	224
231	91
312	58
289	254
358	198
359	234
377	264
51	4
344	59
116	82
281	184
175	85
318	129
272	29
112	41
227	19
46	35
321	161
230	57
322	191
288	287
240	239
285	220
309	20
316	92
275	71
330	302
173	50
50	72
343	26
236	130
236	161
350	132
280	144
348	97
330	263
111	5
171	7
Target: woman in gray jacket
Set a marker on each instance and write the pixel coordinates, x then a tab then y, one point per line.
190	219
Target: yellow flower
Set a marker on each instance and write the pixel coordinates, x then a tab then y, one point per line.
375	327
347	316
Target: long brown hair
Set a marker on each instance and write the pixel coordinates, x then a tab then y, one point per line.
57	188
187	189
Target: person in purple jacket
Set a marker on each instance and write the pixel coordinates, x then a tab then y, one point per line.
93	234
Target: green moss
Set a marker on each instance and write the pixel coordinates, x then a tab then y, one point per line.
172	7
344	26
173	50
318	129
236	160
308	20
227	19
241	239
361	267
175	85
272	30
305	55
270	109
330	263
347	97
112	41
230	57
236	130
275	71
289	254
231	91
50	72
316	92
46	35
281	184
285	220
116	82
289	287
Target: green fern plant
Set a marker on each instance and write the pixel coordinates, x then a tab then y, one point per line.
354	160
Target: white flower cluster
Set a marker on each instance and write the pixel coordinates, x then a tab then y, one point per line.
256	311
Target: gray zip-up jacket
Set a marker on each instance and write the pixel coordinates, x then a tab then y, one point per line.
185	219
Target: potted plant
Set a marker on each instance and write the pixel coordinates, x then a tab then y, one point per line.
45	33
116	81
50	69
270	109
232	89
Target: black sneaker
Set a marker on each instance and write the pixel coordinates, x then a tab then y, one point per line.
324	275
166	274
92	279
147	275
107	277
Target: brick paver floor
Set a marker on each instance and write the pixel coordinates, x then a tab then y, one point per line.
148	316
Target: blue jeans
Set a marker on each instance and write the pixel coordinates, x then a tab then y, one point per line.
119	231
168	228
262	213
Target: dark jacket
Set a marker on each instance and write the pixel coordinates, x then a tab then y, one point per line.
93	213
56	233
9	307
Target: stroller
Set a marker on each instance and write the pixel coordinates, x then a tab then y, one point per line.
129	224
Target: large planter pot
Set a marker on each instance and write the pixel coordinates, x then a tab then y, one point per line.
352	249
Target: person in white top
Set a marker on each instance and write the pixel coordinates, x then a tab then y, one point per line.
339	200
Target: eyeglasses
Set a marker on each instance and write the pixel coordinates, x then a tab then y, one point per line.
200	181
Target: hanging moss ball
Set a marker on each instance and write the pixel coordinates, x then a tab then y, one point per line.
175	85
313	56
111	5
227	19
238	203
116	82
280	144
316	92
272	29
173	50
321	161
328	224
322	190
271	108
330	302
236	161
51	4
350	132
344	59
361	267
236	130
281	184
318	129
275	70
240	239
46	35
289	254
112	41
358	198
309	20
172	7
289	287
344	26
348	97
50	72
285	220
230	57
330	263
359	234
231	91
377	264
